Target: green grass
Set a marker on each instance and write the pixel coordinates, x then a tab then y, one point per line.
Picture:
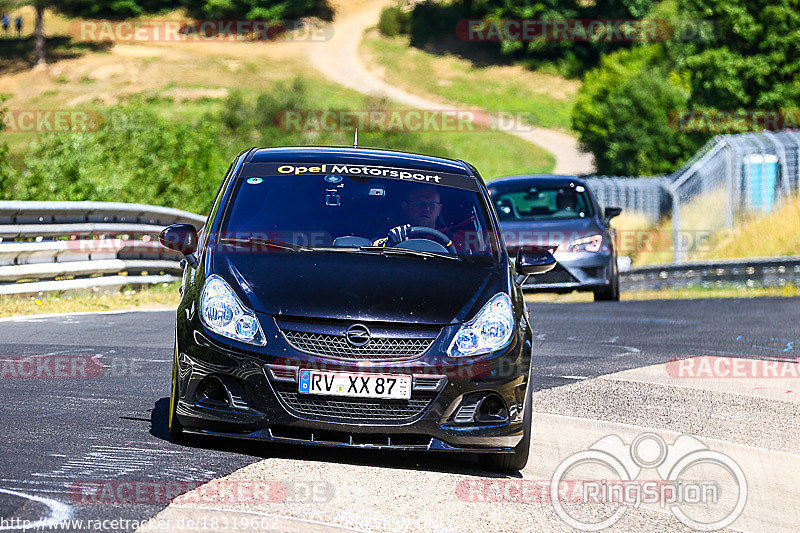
546	99
493	153
159	296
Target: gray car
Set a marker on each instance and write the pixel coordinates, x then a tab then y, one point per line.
560	213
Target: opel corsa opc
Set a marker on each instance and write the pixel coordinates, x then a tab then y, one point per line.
355	298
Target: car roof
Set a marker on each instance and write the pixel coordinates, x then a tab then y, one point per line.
530	180
361	156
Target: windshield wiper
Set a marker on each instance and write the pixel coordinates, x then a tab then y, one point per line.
255	241
406	251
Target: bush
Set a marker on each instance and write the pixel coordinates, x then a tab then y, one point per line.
137	156
394	21
622	115
255	9
113	9
257	121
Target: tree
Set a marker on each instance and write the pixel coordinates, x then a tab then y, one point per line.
113	9
432	20
750	62
753	61
622	114
250	9
38	32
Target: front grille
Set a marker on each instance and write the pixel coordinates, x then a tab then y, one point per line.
558	274
329	345
354	408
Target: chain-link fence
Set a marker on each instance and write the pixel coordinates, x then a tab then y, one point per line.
646	196
732	178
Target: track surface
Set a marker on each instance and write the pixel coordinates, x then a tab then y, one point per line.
59	432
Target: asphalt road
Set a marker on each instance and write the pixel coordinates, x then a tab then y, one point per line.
60	433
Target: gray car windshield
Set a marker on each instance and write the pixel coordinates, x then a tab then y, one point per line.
314	212
542	202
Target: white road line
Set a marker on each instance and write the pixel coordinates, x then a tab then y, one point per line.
25	318
59	512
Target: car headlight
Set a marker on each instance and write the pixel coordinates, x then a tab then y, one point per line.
586	244
223	313
489	331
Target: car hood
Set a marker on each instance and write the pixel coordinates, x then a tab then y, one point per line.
353	286
547	232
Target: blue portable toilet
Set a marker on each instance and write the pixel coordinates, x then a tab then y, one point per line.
760	181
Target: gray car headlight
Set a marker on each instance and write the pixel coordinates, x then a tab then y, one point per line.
222	312
490	330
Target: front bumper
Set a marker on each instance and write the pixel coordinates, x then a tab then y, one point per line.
584	271
264	404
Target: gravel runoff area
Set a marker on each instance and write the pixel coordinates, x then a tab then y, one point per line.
753	424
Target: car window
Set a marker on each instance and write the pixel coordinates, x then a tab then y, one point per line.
334	210
542	202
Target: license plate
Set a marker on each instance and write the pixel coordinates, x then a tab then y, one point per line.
387	386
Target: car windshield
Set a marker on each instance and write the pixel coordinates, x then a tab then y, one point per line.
344	213
540	202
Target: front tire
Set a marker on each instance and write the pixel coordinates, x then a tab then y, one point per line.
610	293
516	460
176	433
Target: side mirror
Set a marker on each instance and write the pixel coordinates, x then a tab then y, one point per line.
182	238
534	260
611	212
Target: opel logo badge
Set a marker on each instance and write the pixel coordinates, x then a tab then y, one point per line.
357	335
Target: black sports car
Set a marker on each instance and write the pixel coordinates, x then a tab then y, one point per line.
561	214
354	297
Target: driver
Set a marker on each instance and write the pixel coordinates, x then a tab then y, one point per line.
566	201
421	207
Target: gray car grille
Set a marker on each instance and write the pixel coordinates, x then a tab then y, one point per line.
355	408
328	345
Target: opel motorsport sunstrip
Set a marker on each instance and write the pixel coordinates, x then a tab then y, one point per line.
356	298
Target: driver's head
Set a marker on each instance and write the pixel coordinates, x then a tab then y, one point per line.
566	200
422	206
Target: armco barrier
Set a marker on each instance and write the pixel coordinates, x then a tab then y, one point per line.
751	272
62	246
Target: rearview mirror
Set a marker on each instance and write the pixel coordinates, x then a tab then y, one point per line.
611	212
179	237
534	260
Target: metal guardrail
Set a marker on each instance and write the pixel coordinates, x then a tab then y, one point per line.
65	246
755	272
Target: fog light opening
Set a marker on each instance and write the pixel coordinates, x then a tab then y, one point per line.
212	393
482	408
492	409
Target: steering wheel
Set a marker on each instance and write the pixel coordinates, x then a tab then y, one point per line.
422	232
